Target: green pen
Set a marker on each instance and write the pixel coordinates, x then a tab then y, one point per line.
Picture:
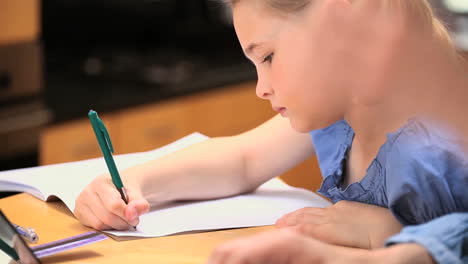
106	147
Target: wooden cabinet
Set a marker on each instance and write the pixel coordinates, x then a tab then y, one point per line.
228	112
152	126
73	141
221	112
19	21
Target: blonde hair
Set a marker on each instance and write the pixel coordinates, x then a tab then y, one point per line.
281	5
421	9
426	18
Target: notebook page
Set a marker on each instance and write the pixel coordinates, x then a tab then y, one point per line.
262	207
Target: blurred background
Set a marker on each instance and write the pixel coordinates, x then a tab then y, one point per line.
58	59
155	70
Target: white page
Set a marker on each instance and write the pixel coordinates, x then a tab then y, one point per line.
262	207
67	180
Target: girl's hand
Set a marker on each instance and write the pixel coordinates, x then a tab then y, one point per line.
100	206
285	246
345	223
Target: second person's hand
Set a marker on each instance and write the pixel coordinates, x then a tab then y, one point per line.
345	223
101	207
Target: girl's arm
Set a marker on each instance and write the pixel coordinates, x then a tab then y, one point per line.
224	166
445	238
214	168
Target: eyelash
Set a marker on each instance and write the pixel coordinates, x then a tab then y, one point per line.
268	58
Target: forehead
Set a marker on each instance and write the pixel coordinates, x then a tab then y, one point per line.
254	21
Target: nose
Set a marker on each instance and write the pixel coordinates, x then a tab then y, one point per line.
263	89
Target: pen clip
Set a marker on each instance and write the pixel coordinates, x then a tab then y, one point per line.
105	133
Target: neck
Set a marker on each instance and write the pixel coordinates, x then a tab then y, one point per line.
430	83
448	96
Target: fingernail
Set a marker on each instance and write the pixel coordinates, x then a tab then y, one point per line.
135	222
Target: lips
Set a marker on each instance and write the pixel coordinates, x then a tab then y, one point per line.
280	110
277	108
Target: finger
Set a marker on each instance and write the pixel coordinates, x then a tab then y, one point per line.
111	199
140	203
109	219
324	233
281	222
288	219
84	213
137	206
305	215
97	205
134	209
308	230
87	217
95	222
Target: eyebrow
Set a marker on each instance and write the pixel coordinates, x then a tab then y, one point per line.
249	50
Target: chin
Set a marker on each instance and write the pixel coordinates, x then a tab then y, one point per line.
300	127
306	126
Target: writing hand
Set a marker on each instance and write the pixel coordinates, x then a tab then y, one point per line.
101	207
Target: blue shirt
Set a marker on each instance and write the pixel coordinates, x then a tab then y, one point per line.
420	173
445	238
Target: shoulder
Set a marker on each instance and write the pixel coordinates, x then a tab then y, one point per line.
425	170
425	143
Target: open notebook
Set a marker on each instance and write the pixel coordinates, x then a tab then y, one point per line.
262	207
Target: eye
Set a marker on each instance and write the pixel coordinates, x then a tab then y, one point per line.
268	58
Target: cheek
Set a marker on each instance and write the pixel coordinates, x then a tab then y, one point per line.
305	82
294	74
292	69
293	93
300	59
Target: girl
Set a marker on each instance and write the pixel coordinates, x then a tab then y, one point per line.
349	71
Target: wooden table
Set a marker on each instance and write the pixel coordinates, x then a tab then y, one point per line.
53	221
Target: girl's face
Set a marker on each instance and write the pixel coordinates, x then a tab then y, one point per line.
308	62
